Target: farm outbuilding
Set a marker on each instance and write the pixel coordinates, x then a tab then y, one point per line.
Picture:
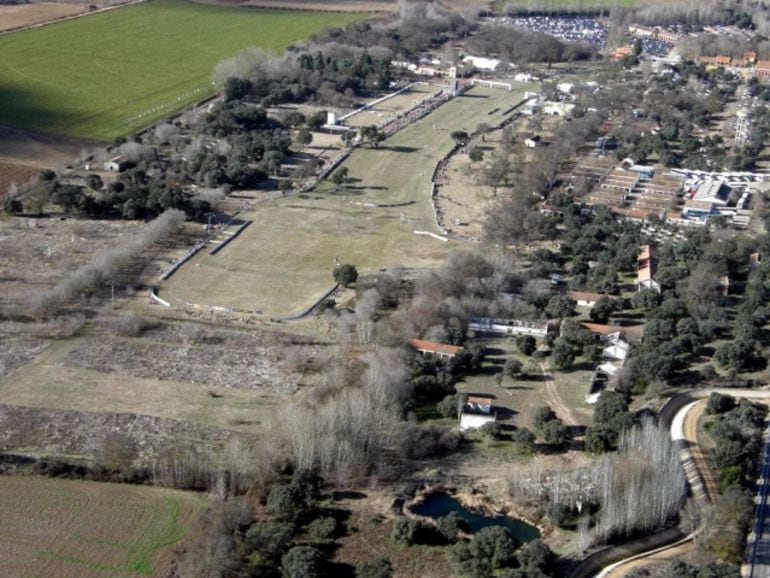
116	165
532	142
442	350
477	412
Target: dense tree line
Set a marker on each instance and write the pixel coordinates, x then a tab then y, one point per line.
521	46
328	73
737	430
341	64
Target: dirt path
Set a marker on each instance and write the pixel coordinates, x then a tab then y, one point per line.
553	398
662	556
706	472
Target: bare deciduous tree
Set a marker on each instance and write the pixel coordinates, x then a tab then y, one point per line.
46	303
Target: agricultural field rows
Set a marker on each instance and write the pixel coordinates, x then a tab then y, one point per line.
80	529
105	75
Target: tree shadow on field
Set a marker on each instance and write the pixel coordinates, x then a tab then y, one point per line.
366	188
401	149
348	495
346	191
504	413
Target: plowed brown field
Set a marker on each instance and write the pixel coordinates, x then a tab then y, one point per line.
13	173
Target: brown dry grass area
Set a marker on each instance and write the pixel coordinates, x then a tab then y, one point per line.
389	108
15	173
19	15
18	346
324	5
35	253
41	150
247	360
50	382
80	434
68	528
370	539
34	13
462	199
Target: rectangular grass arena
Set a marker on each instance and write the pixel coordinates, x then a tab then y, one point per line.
105	75
283	262
79	529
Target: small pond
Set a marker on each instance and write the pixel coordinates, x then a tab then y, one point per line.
439	505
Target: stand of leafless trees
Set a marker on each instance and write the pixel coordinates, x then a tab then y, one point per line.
343	433
639	487
48	302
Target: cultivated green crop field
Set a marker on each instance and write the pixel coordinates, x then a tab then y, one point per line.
105	75
78	529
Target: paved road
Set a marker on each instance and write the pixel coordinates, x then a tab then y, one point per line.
673	415
759	555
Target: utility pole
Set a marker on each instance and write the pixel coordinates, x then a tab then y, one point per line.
210	216
112	283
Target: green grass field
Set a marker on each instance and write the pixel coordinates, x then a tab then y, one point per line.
105	75
283	262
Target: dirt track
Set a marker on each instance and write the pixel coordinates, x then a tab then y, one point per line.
554	399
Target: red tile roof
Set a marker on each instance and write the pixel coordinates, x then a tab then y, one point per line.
584	295
432	347
609	329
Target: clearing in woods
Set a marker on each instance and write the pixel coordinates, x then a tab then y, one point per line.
283	262
105	75
79	529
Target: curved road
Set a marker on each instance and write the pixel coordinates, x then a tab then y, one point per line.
617	561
